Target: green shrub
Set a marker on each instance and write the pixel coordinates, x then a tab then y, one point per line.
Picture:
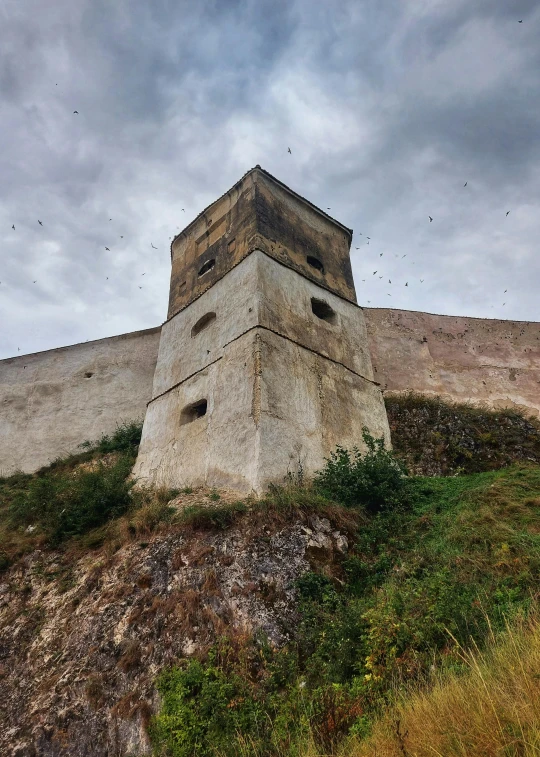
375	480
420	584
126	438
70	504
204	709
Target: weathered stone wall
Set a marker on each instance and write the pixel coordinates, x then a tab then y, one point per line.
49	407
281	385
465	359
52	401
259	213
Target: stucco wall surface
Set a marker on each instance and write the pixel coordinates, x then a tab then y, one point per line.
478	360
272	405
52	401
260	291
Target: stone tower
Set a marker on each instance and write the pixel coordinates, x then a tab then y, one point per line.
263	362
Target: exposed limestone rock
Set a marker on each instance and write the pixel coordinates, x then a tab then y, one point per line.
81	642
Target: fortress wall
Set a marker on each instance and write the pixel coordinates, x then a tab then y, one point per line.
465	359
49	407
52	401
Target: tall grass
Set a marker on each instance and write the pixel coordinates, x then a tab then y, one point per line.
493	709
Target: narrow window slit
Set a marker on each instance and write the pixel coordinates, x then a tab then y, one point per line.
193	412
207	267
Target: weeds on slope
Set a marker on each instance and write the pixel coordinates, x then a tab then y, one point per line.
70	497
422	582
493	708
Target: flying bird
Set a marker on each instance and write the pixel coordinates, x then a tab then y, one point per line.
183	211
381	254
13	227
507	212
358	248
374	272
430	219
407	284
505	291
143	274
389	281
404	256
465	184
40	222
152	246
140	287
520	22
380	277
121	237
35	282
289	150
76	111
422	281
328	208
107	249
368	237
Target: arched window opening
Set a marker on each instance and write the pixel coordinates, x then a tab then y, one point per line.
203	323
207	267
315	263
323	311
193	412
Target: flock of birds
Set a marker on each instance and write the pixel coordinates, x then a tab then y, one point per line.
368	239
403	256
108	249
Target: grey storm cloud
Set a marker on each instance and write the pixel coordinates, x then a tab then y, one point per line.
389	108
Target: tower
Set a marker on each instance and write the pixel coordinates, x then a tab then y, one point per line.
263	362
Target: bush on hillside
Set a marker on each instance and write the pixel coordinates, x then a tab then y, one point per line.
64	505
419	585
437	438
375	480
126	438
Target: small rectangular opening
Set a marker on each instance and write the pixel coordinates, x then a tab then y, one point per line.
315	263
193	412
322	310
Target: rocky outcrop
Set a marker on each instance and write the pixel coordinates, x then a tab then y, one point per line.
82	640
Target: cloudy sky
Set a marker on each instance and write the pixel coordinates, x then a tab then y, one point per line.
388	106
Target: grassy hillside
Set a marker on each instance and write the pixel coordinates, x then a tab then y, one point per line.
423	581
400	577
492	709
436	438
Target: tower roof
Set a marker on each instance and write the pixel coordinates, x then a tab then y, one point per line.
259	212
281	184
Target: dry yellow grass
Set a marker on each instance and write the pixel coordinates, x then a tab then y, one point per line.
493	710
